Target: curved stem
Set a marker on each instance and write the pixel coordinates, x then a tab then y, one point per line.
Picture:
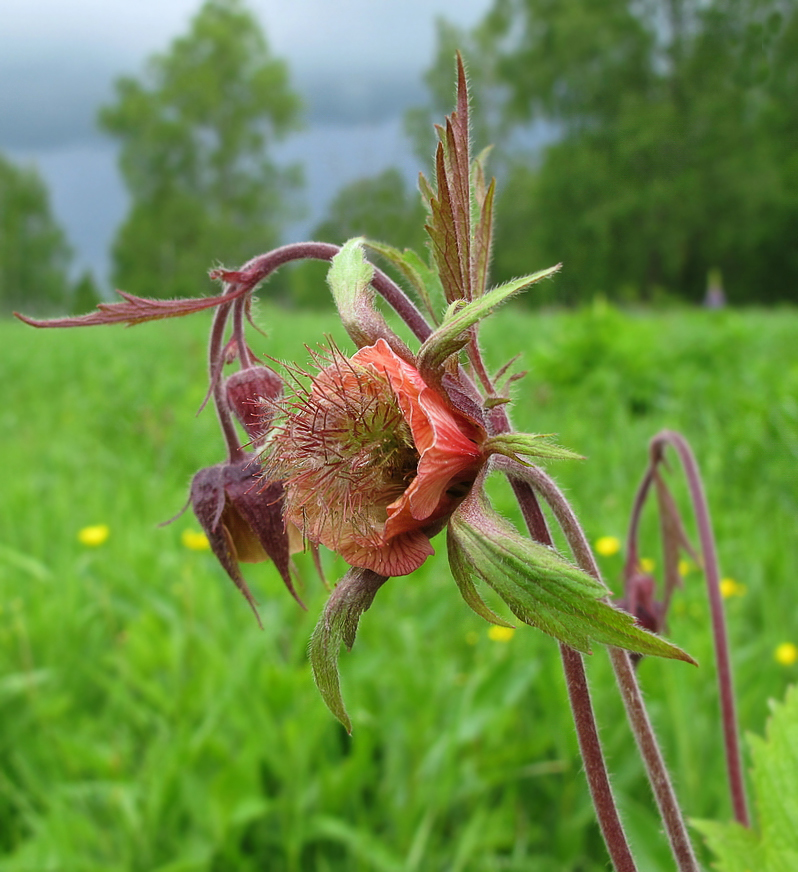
215	365
584	719
634	526
593	759
251	274
624	672
712	575
239	308
257	269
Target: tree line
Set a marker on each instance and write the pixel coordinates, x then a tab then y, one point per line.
644	143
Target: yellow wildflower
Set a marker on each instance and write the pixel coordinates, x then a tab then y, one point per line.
786	653
647	564
607	546
195	541
729	588
685	567
500	634
94	535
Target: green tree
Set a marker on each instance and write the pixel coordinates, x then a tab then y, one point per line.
673	141
195	134
34	255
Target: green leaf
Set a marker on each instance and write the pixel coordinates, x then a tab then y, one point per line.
517	445
353	594
452	334
773	845
540	587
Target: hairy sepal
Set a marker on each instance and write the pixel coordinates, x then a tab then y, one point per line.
352	596
519	445
539	586
452	335
349	278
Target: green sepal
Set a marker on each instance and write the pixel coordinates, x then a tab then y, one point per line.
349	278
353	594
519	445
452	335
539	586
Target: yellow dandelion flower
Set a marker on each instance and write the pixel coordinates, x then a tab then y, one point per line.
500	634
195	541
94	535
729	588
786	653
685	567
647	564
607	546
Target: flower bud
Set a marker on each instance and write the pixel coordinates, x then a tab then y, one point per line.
251	393
242	517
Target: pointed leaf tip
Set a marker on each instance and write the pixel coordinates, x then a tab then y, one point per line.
338	624
540	587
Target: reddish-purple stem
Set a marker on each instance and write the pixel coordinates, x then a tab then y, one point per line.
252	274
634	526
215	365
576	681
712	575
263	265
662	788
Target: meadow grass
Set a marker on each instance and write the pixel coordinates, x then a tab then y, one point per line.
146	723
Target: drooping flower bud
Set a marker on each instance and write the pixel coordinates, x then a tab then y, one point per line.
242	516
641	602
251	394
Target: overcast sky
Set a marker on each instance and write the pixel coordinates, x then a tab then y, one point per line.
320	34
59	58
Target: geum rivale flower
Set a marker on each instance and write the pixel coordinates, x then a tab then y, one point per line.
373	460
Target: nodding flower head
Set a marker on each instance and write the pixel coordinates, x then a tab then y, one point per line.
373	460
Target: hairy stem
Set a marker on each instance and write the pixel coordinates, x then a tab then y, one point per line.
632	697
252	274
573	665
712	575
256	270
215	366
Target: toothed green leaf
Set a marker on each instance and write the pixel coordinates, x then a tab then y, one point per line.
540	587
458	563
771	846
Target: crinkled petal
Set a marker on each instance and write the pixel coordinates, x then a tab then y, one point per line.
400	555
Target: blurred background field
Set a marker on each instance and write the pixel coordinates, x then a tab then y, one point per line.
146	723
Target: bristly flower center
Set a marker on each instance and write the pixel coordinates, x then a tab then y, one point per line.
344	450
